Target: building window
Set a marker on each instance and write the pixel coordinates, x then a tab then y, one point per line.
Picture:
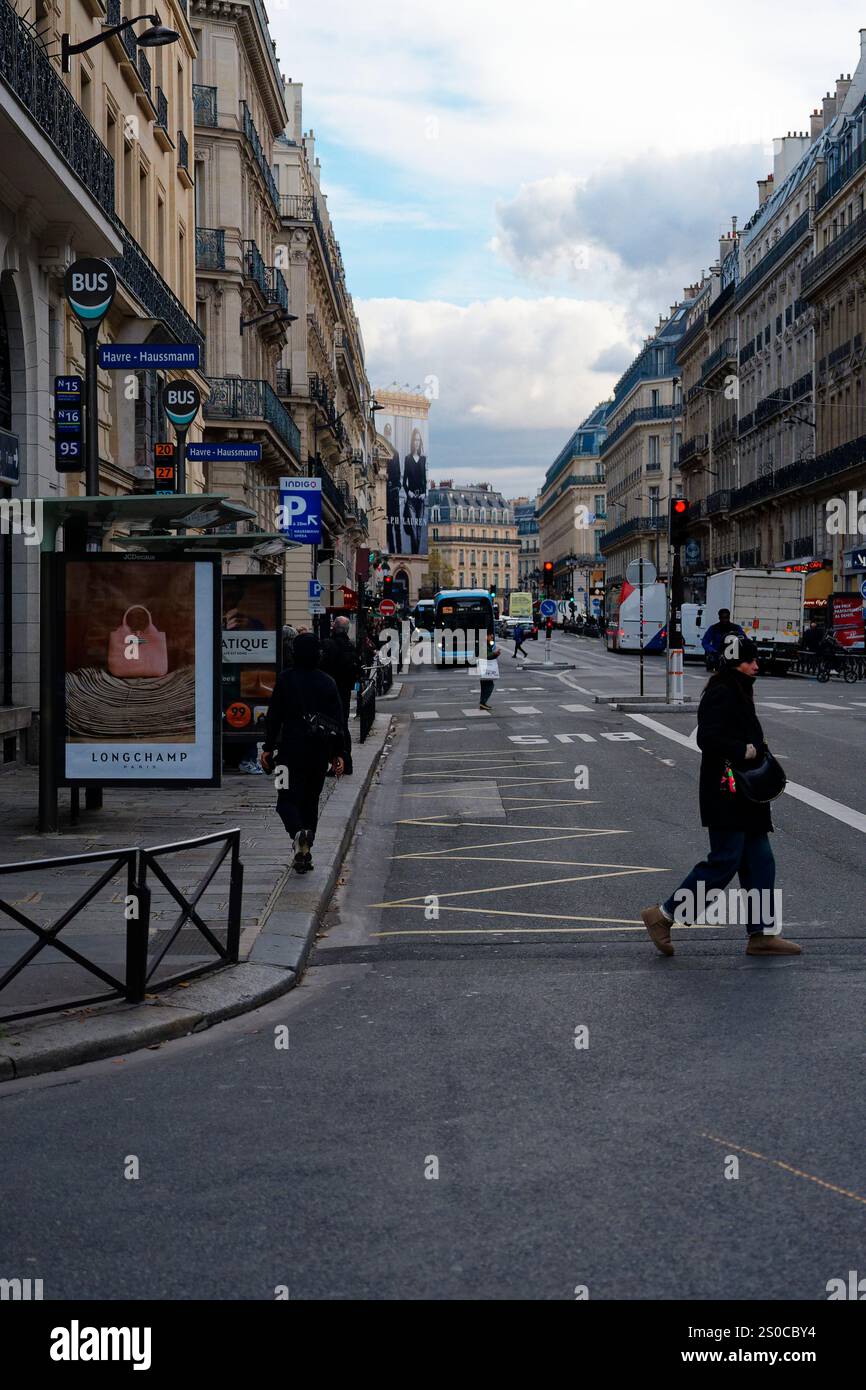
654	451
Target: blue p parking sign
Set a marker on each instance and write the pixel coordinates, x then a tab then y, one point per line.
300	510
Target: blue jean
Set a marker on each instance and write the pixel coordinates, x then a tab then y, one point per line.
733	852
486	691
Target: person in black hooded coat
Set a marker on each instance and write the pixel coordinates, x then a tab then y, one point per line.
730	737
304	761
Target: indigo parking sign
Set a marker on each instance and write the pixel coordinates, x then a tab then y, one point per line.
299	515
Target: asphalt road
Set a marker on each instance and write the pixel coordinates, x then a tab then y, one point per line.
493	1086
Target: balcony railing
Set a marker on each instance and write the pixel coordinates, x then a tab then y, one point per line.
717	502
726	352
32	78
182	152
330	492
838	354
803	473
260	157
296	207
284	381
210	248
127	37
269	280
698	444
204	105
846	241
634	417
161	121
143	65
846	170
234	398
637	525
776	253
142	278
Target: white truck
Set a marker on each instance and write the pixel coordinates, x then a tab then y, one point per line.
767	604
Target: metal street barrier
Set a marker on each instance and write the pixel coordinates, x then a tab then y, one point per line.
134	919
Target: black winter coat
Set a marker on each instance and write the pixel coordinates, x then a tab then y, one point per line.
340	662
727	721
298	692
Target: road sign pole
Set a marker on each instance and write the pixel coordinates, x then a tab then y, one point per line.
180	458
91	413
640	624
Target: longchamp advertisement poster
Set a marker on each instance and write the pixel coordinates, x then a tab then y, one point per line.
139	670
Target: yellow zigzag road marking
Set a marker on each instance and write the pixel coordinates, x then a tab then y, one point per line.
505	912
511	859
507	887
788	1167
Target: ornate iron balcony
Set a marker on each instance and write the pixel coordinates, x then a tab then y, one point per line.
269	280
161	110
204	104
31	77
776	253
210	248
284	381
182	151
638	416
142	278
260	157
235	398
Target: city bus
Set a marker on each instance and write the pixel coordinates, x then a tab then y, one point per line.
423	614
463	618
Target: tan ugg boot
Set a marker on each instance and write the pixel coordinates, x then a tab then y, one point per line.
659	929
761	945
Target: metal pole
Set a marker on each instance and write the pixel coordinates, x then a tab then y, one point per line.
180	458
47	618
91	414
640	623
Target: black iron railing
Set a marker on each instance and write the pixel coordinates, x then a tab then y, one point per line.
140	275
284	381
204	105
182	152
269	280
366	705
143	65
330	492
145	946
727	351
259	155
803	473
32	79
777	252
639	416
161	121
840	176
235	398
210	248
635	526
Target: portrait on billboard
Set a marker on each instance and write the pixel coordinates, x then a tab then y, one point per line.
405	484
139	670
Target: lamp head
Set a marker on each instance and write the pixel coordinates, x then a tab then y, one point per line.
157	34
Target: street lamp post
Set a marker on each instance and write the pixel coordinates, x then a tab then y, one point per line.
154	37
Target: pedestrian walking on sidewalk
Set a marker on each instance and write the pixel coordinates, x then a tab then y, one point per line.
518	641
488	671
340	662
735	757
303	739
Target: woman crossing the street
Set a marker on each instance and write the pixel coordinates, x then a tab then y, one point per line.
738	779
488	671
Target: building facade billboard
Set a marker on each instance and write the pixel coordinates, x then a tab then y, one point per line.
252	606
406	482
139	665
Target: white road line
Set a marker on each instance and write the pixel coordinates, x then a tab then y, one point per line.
425	714
578	709
819	802
524	709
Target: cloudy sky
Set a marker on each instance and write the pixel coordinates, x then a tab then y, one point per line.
519	191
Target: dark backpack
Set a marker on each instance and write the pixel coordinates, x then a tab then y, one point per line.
319	732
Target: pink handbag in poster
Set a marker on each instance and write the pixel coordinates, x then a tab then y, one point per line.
139	650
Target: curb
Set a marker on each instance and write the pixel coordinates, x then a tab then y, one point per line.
275	962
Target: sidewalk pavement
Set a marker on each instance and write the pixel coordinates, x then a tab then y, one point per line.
280	917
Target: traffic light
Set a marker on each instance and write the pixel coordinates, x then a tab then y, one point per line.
388	586
679	521
547	568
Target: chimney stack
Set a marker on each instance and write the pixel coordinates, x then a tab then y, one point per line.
829	105
816	123
842	85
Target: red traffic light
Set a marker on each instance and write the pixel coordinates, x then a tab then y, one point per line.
680	505
548	566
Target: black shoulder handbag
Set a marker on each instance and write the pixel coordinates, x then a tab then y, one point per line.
321	733
765	780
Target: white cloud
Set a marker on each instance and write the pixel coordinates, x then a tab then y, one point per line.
516	363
